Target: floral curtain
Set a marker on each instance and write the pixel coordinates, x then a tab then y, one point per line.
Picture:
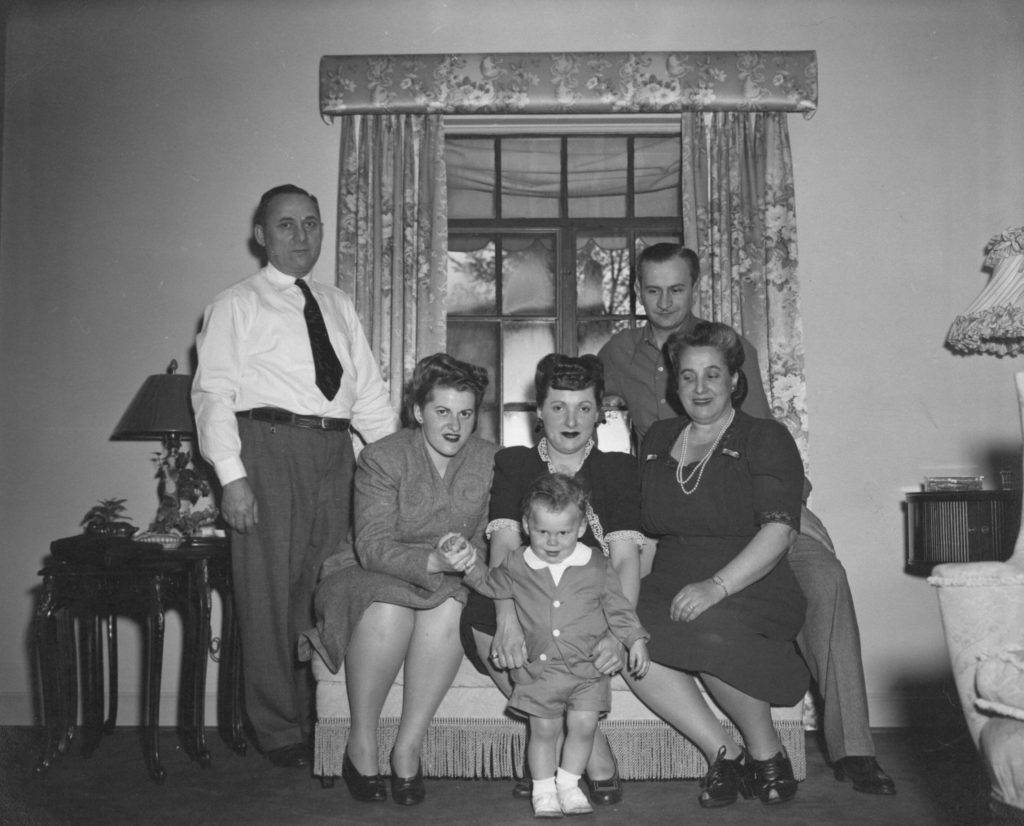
393	235
739	214
569	82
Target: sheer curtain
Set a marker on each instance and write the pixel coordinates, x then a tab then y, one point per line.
392	236
739	214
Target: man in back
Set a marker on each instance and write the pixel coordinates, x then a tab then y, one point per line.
636	370
284	370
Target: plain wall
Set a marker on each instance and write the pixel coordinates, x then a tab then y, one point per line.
138	135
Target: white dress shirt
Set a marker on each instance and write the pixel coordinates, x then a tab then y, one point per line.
254	352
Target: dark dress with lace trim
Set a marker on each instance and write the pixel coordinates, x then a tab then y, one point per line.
747	639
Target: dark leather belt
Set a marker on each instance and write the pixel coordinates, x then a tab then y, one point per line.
278	416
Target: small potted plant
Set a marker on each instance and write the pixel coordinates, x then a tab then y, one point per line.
107	518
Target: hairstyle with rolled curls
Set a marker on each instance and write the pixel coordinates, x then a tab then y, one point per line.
555	492
260	216
666	251
442	370
558	372
714	334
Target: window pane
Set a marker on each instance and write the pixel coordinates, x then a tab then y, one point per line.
477	343
524	343
530	177
602	275
528	275
597	177
592	334
471	275
517	428
470	177
656	176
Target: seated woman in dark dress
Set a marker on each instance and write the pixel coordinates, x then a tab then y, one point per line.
721	491
568	392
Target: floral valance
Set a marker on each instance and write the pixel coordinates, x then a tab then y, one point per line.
569	83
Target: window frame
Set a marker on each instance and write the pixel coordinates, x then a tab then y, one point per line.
565	230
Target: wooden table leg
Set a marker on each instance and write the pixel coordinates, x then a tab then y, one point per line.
50	653
154	657
111	721
91	635
68	675
230	700
196	643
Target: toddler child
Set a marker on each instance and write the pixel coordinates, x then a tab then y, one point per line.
567	598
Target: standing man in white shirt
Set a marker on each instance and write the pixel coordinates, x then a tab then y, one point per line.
284	370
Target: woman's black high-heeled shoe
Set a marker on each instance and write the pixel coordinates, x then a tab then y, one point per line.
369	788
407	791
772	779
725	781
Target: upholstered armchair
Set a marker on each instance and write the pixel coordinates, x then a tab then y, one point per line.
982	607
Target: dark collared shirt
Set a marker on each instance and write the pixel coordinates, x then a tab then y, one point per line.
636	369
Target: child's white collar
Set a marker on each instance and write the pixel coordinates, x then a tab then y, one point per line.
580	556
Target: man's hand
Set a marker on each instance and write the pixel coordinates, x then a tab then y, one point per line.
238	504
608	655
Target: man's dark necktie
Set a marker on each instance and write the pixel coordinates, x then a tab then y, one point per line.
325	360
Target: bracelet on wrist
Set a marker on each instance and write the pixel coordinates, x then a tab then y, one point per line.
720	583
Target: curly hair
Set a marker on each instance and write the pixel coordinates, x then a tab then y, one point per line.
714	334
442	370
558	372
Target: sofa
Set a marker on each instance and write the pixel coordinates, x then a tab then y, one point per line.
471	736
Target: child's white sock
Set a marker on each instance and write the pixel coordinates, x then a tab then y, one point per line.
545	786
565	779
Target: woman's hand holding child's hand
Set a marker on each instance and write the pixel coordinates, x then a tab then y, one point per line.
457	552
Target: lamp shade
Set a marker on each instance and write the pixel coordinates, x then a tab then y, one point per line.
994	323
160	408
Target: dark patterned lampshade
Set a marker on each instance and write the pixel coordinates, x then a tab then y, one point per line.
160	410
994	323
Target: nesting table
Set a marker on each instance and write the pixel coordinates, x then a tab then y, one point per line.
95	579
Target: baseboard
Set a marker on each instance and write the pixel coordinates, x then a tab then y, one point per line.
18	709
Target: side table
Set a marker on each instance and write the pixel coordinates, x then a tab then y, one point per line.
91	578
960	526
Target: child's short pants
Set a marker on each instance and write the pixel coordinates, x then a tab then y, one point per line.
558	690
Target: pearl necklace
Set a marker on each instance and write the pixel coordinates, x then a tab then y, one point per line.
698	470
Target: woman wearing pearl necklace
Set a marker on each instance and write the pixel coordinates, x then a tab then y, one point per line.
721	491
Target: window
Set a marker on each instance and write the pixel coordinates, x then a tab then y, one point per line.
543	233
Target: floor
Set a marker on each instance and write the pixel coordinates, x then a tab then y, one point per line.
938	775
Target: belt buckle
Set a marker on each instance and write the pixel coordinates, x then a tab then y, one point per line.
323	422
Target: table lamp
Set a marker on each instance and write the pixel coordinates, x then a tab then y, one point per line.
161	410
